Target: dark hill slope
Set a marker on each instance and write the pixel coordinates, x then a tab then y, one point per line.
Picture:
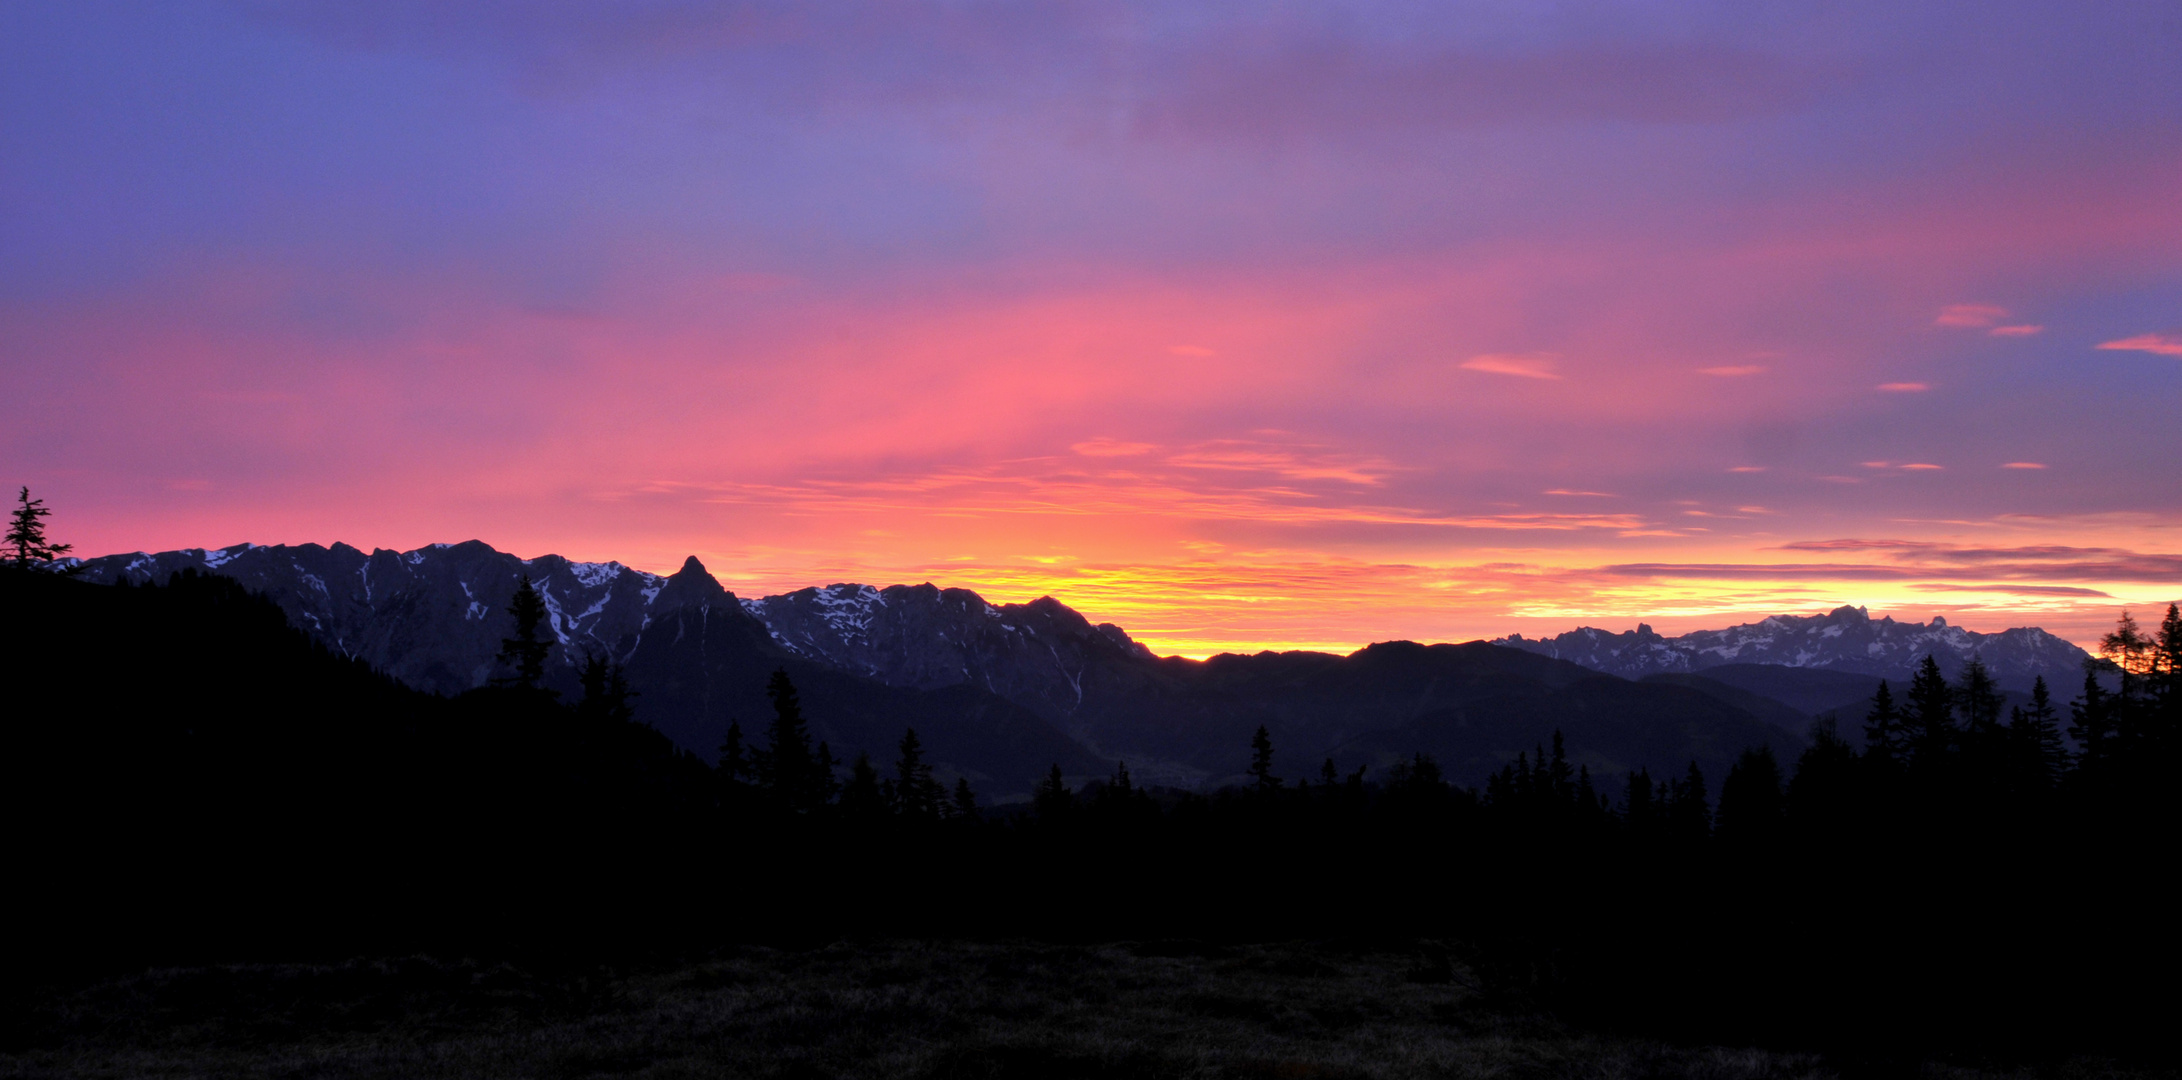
182	767
1473	706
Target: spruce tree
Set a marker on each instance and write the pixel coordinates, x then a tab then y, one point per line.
606	691
26	533
734	772
1979	699
788	769
1052	801
1751	803
1931	714
916	795
1883	735
1689	810
1638	810
965	808
2092	725
526	651
861	801
2037	737
1261	761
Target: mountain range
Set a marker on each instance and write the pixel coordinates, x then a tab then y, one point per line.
999	693
1846	639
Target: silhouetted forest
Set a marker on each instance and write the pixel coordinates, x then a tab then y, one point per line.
188	779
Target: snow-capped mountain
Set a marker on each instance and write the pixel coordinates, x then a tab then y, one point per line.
699	658
1844	639
999	692
1038	654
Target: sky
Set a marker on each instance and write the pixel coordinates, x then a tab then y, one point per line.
1242	325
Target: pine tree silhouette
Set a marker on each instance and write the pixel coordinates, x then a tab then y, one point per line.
2092	724
1978	697
1883	736
2037	738
1052	801
793	775
1261	761
1751	801
862	803
916	795
606	691
1931	715
526	651
1688	811
26	533
965	804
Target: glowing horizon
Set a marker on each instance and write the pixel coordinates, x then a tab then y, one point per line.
1238	327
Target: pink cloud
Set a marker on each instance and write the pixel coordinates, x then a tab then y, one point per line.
2020	330
1522	365
1970	315
2023	465
1732	370
2162	344
1111	448
1905	387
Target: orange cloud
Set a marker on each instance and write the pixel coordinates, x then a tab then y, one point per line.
1905	387
2023	465
1522	365
1732	370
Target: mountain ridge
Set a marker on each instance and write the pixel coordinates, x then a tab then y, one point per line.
1846	639
999	692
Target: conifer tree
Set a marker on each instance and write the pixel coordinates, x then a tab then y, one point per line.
1979	699
1883	736
1689	810
606	691
734	772
1328	776
526	651
2128	647
965	808
1751	804
1931	714
793	775
2037	737
26	533
861	801
1824	785
1261	761
1052	801
1638	810
916	795
2092	724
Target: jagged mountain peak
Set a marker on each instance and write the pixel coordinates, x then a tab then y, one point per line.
1846	639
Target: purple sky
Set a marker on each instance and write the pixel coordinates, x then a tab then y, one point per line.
1241	325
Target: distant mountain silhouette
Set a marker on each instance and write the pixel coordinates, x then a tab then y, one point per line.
998	692
1846	639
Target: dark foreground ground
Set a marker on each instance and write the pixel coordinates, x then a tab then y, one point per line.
890	1009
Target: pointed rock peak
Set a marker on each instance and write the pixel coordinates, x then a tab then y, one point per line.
1644	630
1852	614
1939	622
692	584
